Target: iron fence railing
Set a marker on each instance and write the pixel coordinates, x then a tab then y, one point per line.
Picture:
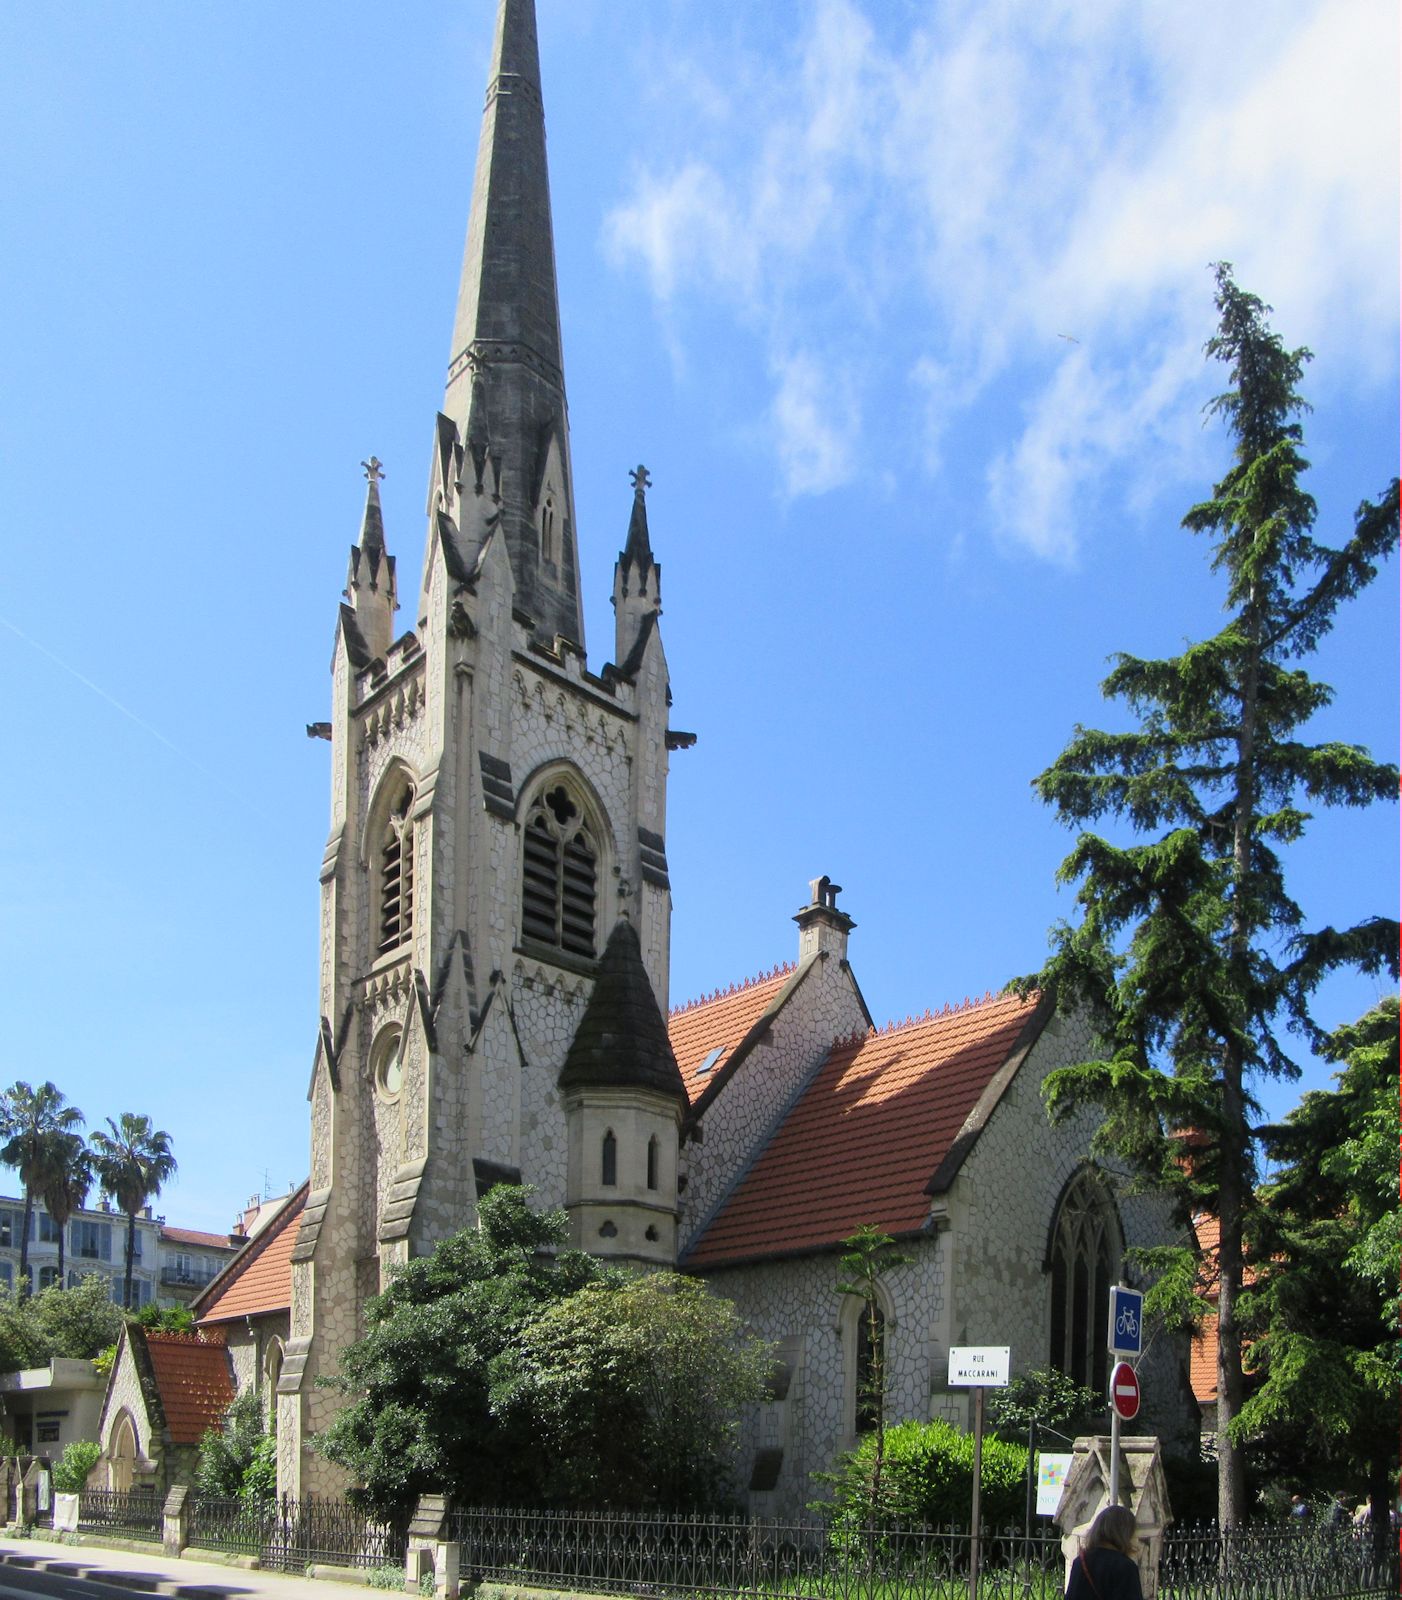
289	1535
1270	1562
620	1553
132	1513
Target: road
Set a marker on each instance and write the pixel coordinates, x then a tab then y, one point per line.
30	1567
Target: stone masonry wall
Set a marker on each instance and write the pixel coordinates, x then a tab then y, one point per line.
796	1304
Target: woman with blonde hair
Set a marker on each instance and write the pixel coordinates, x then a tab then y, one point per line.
1106	1569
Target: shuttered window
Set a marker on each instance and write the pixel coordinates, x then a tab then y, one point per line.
396	873
559	874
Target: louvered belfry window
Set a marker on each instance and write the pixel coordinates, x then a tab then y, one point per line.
559	874
397	875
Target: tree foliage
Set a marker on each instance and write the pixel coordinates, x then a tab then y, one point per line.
1190	954
238	1459
506	1370
1048	1398
71	1324
36	1126
1321	1308
633	1390
929	1477
133	1163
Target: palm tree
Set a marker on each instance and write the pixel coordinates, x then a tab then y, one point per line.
29	1118
67	1179
132	1165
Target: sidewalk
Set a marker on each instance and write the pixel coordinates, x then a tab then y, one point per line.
153	1573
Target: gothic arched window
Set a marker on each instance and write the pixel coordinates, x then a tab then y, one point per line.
1086	1250
652	1150
394	864
547	528
870	1366
559	873
608	1161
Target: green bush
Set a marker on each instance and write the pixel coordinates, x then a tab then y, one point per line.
71	1470
928	1477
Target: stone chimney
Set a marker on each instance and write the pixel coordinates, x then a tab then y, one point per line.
822	928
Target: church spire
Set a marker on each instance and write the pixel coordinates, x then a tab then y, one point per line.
370	586
506	336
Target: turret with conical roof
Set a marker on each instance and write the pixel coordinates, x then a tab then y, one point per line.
624	1101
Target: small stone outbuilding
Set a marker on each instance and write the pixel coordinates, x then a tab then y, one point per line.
165	1392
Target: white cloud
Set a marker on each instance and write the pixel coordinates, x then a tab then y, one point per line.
816	425
952	201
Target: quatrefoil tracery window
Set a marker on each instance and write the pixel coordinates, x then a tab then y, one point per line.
559	874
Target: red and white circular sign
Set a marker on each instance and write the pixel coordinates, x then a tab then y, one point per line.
1124	1390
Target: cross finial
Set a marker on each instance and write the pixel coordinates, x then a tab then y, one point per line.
372	469
641	481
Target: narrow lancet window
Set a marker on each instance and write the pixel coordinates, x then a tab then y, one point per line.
609	1161
396	875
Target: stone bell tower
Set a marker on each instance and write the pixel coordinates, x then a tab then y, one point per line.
498	812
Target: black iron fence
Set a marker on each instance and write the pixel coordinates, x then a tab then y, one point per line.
1271	1562
661	1556
619	1553
290	1535
131	1513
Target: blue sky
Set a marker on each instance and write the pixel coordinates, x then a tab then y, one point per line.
903	306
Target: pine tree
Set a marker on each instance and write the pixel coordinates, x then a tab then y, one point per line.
1321	1308
1189	951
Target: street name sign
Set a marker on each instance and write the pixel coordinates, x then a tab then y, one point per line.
978	1366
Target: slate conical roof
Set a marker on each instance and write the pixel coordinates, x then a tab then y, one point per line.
621	1041
506	381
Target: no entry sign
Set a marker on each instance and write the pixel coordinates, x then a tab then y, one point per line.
1124	1390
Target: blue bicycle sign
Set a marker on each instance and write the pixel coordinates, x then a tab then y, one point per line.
1126	1321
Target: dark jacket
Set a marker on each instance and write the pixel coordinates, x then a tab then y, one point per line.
1104	1574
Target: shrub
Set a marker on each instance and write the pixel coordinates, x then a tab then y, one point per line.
928	1477
71	1470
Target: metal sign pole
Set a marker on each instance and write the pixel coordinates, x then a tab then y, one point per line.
1114	1453
975	1543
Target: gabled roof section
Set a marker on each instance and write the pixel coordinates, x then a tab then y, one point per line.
885	1123
194	1380
258	1281
194	1236
712	1035
621	1041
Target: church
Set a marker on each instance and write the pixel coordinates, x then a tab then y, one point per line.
494	959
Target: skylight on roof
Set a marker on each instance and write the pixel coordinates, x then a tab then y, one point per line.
711	1060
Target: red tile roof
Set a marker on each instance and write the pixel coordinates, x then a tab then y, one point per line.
194	1381
259	1279
1202	1356
719	1021
866	1139
210	1241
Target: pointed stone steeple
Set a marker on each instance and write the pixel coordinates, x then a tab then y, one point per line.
370	586
637	578
506	386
